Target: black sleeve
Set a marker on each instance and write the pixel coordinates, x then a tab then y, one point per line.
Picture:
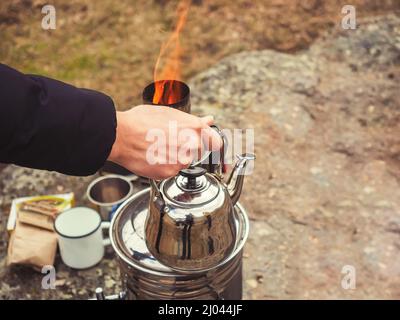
48	124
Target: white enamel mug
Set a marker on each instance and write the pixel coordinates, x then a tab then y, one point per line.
80	237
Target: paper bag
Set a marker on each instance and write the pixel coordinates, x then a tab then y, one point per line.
30	245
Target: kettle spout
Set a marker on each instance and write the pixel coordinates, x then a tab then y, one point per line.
235	181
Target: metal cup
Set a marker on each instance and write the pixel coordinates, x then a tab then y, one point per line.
181	90
107	193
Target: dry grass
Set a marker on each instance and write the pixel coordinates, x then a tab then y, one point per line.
113	45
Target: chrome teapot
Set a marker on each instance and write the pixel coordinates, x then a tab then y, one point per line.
190	224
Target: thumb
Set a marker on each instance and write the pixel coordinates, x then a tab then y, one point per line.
208	120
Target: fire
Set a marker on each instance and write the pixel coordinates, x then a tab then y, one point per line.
166	91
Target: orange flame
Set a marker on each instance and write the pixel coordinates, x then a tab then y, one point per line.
165	91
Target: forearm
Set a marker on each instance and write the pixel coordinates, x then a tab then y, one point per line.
47	124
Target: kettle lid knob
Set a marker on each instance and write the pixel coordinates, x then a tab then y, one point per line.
191	174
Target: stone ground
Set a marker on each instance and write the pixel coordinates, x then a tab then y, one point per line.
325	191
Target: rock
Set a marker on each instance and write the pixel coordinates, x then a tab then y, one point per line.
252	283
327	173
62	275
373	47
82	292
369	190
60	282
109	283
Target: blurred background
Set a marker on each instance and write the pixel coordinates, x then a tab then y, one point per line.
323	101
112	46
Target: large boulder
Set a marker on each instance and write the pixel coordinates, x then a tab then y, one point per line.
325	192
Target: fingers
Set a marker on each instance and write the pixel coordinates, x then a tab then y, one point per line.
185	161
208	120
212	139
165	172
193	138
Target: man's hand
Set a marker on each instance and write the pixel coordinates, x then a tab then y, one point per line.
132	143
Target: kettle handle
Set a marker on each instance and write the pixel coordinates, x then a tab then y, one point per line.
155	187
222	152
210	154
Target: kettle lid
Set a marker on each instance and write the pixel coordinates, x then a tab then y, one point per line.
191	187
